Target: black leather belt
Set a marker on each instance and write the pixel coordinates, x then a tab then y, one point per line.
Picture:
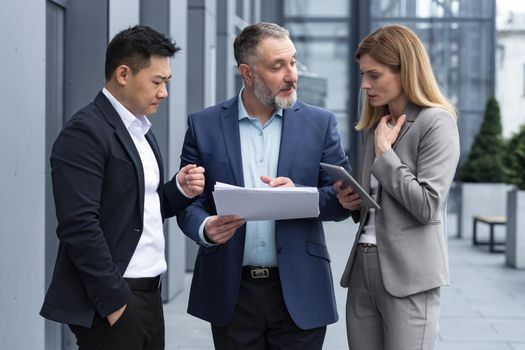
260	272
146	283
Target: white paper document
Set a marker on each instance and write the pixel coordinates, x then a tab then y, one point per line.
268	203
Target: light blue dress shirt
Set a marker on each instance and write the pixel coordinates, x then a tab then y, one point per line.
260	147
260	155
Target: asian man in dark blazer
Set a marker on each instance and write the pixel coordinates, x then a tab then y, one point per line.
111	201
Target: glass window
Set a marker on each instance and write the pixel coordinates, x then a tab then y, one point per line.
327	60
524	80
322	54
458	36
316	8
432	8
313	30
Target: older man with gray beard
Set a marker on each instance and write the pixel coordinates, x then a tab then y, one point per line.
263	284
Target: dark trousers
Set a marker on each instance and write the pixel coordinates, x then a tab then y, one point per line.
141	326
261	321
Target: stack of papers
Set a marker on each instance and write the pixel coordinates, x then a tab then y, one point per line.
268	203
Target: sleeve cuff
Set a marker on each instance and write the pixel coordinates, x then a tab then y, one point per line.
181	190
203	241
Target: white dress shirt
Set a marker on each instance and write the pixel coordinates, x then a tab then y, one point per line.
148	259
369	230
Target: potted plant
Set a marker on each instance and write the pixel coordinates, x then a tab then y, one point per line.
515	164
483	190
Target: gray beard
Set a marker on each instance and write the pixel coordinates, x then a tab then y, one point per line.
264	95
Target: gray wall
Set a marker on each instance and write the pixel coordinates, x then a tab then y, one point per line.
22	174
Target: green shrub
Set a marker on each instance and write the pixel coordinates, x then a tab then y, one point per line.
515	159
485	161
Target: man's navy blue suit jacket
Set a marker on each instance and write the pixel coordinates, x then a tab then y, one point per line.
309	136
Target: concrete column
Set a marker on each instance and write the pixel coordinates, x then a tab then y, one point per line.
515	246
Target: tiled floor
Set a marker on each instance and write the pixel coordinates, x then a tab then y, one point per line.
483	309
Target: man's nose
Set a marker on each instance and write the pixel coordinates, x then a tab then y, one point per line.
291	74
163	91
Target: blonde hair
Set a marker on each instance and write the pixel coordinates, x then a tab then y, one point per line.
400	49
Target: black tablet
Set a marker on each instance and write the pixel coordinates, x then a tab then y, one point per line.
340	173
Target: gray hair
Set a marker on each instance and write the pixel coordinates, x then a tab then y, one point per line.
246	43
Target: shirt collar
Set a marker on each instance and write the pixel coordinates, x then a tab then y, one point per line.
138	126
243	113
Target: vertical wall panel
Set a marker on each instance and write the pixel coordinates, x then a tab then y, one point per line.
86	42
202	41
225	59
176	249
55	24
22	173
122	14
156	14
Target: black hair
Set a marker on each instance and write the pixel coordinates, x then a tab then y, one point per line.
135	46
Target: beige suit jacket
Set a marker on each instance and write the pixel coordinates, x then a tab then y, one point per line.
414	181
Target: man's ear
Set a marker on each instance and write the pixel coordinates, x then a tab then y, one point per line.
246	74
122	74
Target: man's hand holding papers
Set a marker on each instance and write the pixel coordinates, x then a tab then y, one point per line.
219	229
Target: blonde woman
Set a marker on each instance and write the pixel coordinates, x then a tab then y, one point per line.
411	149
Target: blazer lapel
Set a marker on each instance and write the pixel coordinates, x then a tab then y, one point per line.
232	139
289	138
229	120
124	137
411	112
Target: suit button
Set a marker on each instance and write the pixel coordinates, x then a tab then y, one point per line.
279	250
136	229
97	302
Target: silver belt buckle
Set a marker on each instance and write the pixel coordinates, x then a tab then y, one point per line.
260	273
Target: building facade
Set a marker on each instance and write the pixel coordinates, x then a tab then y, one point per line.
510	73
52	64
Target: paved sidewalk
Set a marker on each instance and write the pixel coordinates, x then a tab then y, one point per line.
483	309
